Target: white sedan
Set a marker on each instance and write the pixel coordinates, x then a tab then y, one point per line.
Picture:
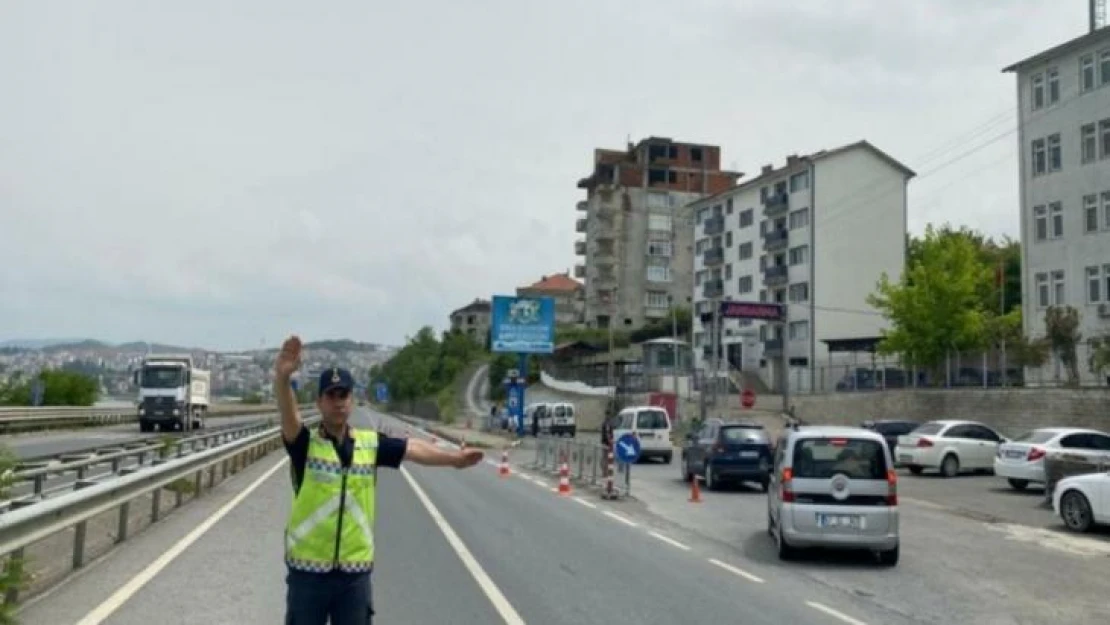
1083	501
952	446
1021	460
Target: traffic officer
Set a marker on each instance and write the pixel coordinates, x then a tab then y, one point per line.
329	536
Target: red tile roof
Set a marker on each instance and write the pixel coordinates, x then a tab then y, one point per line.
559	282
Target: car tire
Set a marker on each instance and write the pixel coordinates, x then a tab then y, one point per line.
1075	511
786	552
950	466
889	557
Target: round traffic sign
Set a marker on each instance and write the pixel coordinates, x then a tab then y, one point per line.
747	398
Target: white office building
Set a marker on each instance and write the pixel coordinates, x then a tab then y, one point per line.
1063	97
817	234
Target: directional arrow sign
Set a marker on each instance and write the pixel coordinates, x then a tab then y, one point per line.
628	448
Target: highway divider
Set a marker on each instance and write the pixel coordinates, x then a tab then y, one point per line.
57	535
22	419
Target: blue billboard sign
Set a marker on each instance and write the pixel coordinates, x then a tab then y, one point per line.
381	393
523	325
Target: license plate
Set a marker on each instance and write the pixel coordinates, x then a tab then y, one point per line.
839	520
905	457
749	454
1014	453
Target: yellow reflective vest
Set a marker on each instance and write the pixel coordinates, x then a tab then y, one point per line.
331	526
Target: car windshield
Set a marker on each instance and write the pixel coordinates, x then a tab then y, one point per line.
932	427
163	377
652	420
1036	436
822	458
742	434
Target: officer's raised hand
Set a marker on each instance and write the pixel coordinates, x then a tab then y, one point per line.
289	358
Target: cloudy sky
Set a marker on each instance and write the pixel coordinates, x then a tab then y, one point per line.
223	173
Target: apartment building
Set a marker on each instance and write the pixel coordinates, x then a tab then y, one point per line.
474	319
568	294
636	246
1063	97
816	233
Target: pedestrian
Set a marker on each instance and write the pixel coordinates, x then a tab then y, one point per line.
329	536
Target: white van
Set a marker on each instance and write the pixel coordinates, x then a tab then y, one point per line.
563	422
650	424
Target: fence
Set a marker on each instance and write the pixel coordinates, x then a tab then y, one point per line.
588	462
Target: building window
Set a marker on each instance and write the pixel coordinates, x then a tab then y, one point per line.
799	255
799	218
1090	213
799	292
660	200
763	295
728	239
1106	281
660	223
1086	72
1040	223
1058	292
1042	290
1094	286
744	285
745	250
659	248
703	214
1088	144
659	273
1104	67
747	218
656	299
1053	80
1039	164
1106	209
1056	210
1055	155
799	182
799	330
728	206
1036	84
728	272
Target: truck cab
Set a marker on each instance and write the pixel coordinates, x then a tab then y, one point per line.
173	393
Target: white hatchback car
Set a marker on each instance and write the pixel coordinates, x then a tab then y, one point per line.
952	446
1021	460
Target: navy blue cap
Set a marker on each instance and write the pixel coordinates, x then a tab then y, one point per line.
335	377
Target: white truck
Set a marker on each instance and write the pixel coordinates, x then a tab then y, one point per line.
173	393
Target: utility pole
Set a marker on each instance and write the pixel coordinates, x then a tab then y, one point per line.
786	359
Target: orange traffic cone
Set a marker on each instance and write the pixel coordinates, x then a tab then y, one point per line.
564	479
695	490
503	470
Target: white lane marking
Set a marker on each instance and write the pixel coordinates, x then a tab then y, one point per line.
125	592
735	571
500	603
670	541
923	503
615	516
834	613
585	503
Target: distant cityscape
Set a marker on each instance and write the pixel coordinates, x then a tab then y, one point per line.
234	374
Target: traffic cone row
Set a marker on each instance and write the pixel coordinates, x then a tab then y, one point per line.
503	469
564	478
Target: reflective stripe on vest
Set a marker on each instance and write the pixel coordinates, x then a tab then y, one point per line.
331	524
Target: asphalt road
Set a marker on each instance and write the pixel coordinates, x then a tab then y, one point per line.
573	560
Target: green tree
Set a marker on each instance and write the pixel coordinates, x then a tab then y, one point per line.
1002	258
426	365
60	388
937	305
1062	331
1099	358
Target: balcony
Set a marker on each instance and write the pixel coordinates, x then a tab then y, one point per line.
579	271
775	276
605	280
776	239
580	225
712	289
582	205
713	256
605	249
776	204
714	225
579	248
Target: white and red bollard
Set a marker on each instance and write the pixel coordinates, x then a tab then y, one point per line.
564	478
610	492
503	469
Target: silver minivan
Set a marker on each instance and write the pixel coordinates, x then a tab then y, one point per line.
833	487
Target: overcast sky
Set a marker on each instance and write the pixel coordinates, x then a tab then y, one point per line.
220	174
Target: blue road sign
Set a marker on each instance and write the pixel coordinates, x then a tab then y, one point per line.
628	448
381	393
296	384
522	325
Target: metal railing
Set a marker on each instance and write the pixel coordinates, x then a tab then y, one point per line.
31	483
23	527
22	418
587	462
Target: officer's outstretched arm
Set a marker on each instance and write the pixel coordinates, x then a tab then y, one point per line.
427	454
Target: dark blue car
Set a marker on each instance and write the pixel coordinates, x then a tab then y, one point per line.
728	452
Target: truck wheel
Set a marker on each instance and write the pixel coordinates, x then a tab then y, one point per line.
145	426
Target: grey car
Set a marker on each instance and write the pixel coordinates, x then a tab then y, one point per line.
833	487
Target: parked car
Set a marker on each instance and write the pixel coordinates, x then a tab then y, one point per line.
651	425
891	429
1083	501
727	451
834	487
951	446
1022	460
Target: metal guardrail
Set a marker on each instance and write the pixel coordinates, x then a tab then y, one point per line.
587	462
22	417
22	528
145	453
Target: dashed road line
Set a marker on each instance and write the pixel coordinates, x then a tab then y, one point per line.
586	503
834	613
670	541
736	571
617	517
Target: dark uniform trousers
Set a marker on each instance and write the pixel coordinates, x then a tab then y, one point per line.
313	598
